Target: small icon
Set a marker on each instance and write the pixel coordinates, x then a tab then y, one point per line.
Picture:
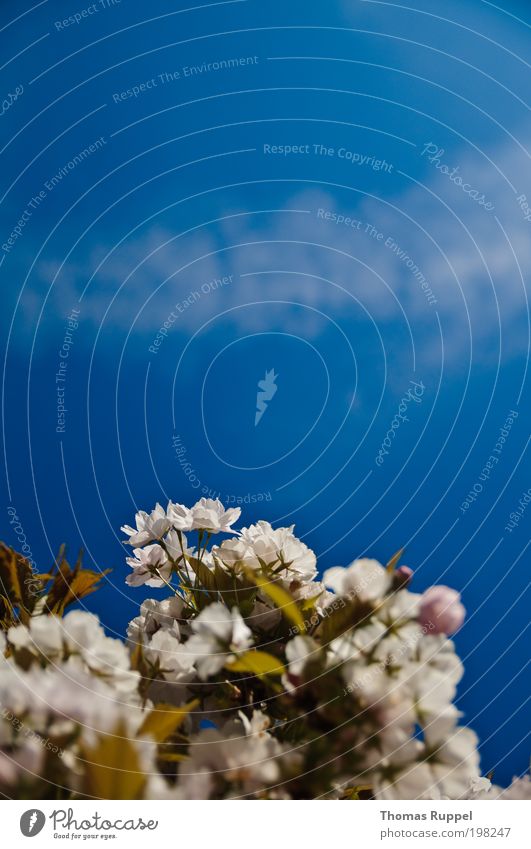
266	390
32	822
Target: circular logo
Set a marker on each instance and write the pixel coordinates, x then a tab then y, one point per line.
32	822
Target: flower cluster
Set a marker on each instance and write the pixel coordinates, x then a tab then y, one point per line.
252	678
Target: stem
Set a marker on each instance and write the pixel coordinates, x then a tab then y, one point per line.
164	581
176	566
207	540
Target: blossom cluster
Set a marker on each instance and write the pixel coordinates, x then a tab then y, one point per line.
252	678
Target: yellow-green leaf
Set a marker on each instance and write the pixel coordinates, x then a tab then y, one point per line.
259	663
205	582
84	583
342	618
71	584
280	597
164	719
394	560
172	757
112	768
353	792
17	586
309	603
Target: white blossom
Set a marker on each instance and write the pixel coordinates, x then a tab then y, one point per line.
148	564
364	579
80	634
149	526
24	761
180	517
210	515
243	756
176	547
300	651
235	551
43	637
154	615
372	664
454	760
262	544
414	781
480	789
520	788
218	634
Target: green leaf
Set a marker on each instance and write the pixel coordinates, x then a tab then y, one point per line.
224	581
259	663
205	580
164	719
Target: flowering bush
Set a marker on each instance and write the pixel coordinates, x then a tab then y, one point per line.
253	678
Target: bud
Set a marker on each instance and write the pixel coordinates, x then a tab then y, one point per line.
441	610
402	577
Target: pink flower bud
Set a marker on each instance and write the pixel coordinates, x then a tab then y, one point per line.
403	576
441	611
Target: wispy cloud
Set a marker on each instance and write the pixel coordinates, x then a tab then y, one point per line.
472	261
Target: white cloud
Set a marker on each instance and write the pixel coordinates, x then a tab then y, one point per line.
151	272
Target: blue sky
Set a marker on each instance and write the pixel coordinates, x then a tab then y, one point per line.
284	180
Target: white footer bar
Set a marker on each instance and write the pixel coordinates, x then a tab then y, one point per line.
267	825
